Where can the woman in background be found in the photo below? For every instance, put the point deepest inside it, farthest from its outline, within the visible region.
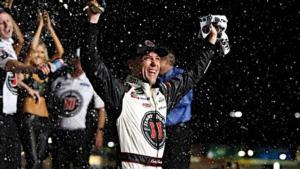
(35, 125)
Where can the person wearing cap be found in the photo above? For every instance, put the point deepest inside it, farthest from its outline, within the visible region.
(10, 149)
(142, 101)
(178, 143)
(72, 93)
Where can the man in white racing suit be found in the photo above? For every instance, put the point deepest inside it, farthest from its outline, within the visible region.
(141, 102)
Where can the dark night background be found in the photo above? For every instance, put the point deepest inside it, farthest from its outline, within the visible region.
(259, 77)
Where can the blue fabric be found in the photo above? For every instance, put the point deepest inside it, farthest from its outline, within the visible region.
(182, 110)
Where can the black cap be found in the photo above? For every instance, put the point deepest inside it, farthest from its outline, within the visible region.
(145, 47)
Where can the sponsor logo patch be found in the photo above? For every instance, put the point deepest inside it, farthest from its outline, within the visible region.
(163, 107)
(11, 83)
(72, 103)
(161, 99)
(134, 95)
(147, 105)
(84, 84)
(153, 129)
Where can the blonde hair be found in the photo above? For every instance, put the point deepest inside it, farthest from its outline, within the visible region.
(41, 43)
(29, 57)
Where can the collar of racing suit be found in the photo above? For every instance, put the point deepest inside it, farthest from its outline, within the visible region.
(138, 83)
(141, 83)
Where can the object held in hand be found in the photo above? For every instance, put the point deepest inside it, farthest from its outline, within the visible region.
(56, 64)
(224, 42)
(53, 66)
(96, 8)
(220, 23)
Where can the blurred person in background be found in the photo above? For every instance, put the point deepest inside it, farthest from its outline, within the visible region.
(10, 149)
(178, 143)
(72, 93)
(35, 125)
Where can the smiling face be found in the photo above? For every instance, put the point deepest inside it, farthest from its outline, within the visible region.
(6, 26)
(39, 55)
(147, 67)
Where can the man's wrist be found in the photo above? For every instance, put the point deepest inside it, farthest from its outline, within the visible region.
(100, 129)
(94, 19)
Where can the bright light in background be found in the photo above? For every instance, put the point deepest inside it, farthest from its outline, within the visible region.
(236, 114)
(95, 160)
(297, 115)
(241, 153)
(111, 144)
(250, 153)
(66, 6)
(50, 140)
(210, 154)
(276, 165)
(282, 156)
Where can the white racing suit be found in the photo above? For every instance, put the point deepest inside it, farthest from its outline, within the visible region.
(141, 109)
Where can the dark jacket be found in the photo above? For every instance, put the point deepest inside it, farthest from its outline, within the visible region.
(140, 109)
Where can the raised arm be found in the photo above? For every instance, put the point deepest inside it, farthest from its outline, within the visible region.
(202, 53)
(37, 36)
(58, 46)
(18, 46)
(105, 84)
(100, 128)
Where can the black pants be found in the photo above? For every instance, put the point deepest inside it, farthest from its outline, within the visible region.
(70, 148)
(177, 152)
(10, 147)
(34, 136)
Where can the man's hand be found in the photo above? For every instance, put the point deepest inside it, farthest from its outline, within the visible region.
(43, 71)
(93, 16)
(212, 37)
(45, 68)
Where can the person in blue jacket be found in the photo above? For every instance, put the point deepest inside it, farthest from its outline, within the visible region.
(178, 144)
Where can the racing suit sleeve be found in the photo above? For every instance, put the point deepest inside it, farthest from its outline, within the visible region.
(110, 89)
(177, 87)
